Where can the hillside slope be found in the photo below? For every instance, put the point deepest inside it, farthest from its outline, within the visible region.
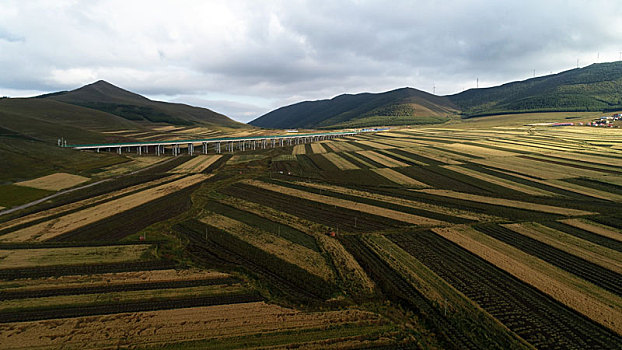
(397, 107)
(592, 88)
(106, 97)
(47, 120)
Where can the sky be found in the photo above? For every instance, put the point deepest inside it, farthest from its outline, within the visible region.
(246, 58)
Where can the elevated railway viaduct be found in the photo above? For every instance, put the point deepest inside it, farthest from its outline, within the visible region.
(217, 145)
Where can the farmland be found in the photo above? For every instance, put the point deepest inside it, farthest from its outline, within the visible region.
(465, 236)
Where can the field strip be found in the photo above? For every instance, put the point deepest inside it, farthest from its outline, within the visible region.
(159, 327)
(403, 157)
(576, 293)
(331, 145)
(299, 149)
(374, 144)
(54, 182)
(109, 279)
(317, 148)
(135, 164)
(126, 296)
(362, 207)
(598, 229)
(567, 186)
(18, 258)
(506, 202)
(586, 158)
(533, 168)
(340, 162)
(537, 147)
(358, 158)
(291, 252)
(586, 191)
(603, 256)
(610, 179)
(398, 177)
(196, 165)
(428, 283)
(438, 155)
(346, 266)
(382, 159)
(432, 286)
(395, 143)
(585, 164)
(343, 146)
(82, 203)
(478, 151)
(52, 228)
(405, 202)
(78, 300)
(118, 131)
(500, 181)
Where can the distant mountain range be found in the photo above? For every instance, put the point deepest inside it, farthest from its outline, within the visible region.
(597, 87)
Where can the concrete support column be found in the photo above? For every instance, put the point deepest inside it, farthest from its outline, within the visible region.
(139, 150)
(204, 147)
(191, 149)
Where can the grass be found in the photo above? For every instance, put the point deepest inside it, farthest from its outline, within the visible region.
(12, 195)
(21, 258)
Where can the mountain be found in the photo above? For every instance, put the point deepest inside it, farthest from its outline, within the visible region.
(397, 107)
(108, 98)
(592, 88)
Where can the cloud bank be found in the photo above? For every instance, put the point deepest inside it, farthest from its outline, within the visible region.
(244, 58)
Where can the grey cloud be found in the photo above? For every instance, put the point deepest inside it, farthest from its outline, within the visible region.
(286, 51)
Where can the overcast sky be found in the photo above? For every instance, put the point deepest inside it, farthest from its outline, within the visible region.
(245, 58)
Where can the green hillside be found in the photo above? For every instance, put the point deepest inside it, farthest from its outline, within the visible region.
(108, 98)
(397, 107)
(593, 88)
(47, 120)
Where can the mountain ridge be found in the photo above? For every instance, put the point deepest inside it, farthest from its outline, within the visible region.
(597, 87)
(106, 97)
(399, 106)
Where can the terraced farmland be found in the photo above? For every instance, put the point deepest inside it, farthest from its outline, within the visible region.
(462, 237)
